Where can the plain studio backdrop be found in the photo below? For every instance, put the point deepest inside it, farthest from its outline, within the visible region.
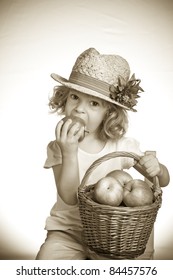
(38, 37)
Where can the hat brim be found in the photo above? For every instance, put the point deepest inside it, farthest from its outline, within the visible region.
(85, 90)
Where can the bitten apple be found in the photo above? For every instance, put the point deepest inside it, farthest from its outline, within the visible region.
(120, 175)
(108, 191)
(74, 121)
(137, 193)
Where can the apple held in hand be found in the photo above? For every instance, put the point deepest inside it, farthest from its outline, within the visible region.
(74, 121)
(108, 191)
(120, 175)
(137, 193)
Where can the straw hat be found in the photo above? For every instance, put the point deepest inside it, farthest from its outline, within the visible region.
(103, 76)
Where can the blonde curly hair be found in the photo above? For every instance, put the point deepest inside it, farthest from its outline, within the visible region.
(115, 124)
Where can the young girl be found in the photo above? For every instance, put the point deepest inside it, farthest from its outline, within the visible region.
(99, 91)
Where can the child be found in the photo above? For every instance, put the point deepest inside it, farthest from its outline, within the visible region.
(99, 91)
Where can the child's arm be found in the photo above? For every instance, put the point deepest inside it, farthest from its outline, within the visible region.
(67, 179)
(67, 174)
(154, 168)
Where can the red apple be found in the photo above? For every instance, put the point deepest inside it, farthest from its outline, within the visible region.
(120, 175)
(74, 121)
(108, 191)
(137, 193)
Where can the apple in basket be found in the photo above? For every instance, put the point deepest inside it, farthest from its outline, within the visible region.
(108, 191)
(137, 193)
(120, 175)
(74, 121)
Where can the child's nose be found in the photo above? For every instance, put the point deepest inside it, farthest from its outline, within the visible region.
(80, 108)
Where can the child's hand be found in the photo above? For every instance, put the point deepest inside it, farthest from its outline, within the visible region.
(151, 165)
(67, 137)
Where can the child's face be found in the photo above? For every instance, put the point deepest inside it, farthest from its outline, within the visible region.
(89, 108)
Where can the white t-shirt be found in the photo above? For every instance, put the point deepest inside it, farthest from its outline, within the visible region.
(63, 216)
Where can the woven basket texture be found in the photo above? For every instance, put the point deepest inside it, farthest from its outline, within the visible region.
(116, 232)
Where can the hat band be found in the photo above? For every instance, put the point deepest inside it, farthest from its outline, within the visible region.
(90, 83)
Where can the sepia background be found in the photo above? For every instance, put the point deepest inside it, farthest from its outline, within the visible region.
(38, 37)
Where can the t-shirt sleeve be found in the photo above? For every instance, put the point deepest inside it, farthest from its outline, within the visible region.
(54, 156)
(129, 145)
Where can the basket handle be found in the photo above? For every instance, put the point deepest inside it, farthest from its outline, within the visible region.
(137, 166)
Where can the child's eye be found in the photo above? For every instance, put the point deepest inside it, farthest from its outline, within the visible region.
(94, 103)
(74, 96)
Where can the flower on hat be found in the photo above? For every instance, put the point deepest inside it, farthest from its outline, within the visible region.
(125, 92)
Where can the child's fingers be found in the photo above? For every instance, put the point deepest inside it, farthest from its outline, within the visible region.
(65, 129)
(80, 133)
(151, 165)
(148, 161)
(61, 129)
(74, 130)
(58, 130)
(145, 159)
(152, 172)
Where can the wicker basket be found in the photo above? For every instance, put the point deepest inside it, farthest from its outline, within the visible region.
(116, 232)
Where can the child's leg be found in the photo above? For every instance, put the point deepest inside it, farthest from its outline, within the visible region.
(60, 245)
